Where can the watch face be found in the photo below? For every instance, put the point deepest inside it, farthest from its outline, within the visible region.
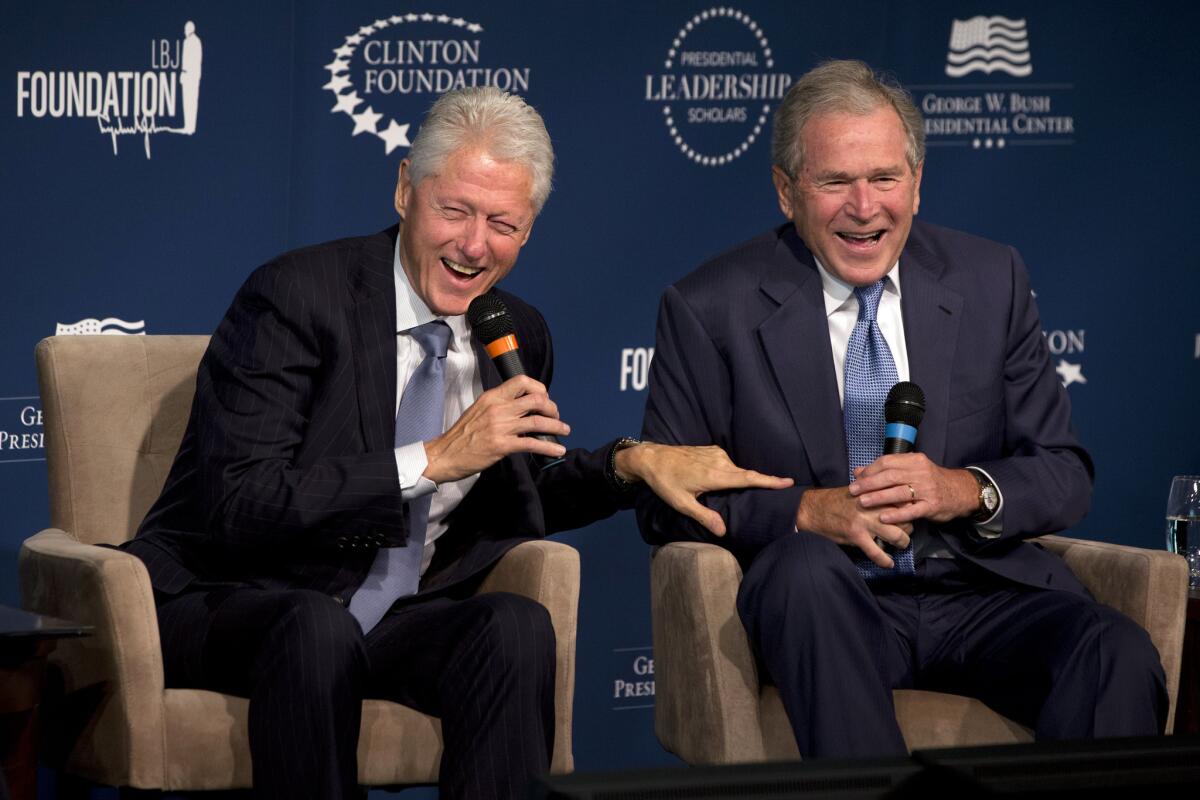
(990, 498)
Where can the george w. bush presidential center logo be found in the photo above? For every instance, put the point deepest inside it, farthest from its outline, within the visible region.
(389, 71)
(995, 98)
(123, 101)
(717, 86)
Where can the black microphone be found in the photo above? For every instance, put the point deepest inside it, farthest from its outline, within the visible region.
(902, 411)
(493, 326)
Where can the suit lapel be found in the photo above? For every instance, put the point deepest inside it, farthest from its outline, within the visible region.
(373, 327)
(795, 339)
(931, 320)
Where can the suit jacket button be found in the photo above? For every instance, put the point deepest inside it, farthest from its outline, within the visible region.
(338, 599)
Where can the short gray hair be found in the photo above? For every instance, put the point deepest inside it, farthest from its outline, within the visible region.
(845, 86)
(507, 127)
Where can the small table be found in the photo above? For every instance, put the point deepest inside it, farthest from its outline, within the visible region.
(25, 641)
(1187, 711)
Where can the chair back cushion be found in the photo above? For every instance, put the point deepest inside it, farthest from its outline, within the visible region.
(114, 410)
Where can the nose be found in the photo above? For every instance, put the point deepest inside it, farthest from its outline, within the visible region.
(474, 240)
(860, 202)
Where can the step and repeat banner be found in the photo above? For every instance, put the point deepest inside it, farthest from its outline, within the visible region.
(156, 152)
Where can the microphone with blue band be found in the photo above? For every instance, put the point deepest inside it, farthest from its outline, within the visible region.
(902, 411)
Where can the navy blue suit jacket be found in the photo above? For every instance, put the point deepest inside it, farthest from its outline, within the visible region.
(286, 476)
(743, 360)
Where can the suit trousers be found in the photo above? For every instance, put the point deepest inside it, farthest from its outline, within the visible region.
(1058, 662)
(484, 664)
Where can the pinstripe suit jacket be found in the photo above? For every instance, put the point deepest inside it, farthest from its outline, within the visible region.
(286, 476)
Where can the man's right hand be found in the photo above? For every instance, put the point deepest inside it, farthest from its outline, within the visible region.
(834, 514)
(496, 426)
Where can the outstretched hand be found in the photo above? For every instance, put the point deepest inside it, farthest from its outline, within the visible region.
(679, 474)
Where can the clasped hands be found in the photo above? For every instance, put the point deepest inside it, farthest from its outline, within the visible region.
(884, 500)
(506, 420)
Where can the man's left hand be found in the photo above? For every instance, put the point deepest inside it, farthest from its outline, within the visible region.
(681, 473)
(917, 487)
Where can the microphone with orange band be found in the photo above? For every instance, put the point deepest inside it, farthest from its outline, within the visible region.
(493, 326)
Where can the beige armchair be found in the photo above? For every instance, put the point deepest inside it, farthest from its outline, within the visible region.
(710, 707)
(115, 408)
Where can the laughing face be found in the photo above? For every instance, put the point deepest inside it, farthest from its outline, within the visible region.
(463, 227)
(855, 197)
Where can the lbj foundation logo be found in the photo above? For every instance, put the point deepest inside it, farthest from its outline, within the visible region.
(1067, 344)
(162, 99)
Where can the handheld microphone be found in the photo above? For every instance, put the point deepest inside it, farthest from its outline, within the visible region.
(493, 326)
(902, 411)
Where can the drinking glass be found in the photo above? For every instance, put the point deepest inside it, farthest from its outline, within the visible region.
(1183, 523)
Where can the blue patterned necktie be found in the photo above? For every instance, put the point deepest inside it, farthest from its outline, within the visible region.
(870, 375)
(396, 571)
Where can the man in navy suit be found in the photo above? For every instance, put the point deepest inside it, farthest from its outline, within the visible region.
(279, 548)
(897, 571)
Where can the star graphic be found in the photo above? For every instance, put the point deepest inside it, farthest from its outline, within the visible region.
(411, 17)
(396, 20)
(355, 39)
(474, 27)
(458, 22)
(367, 121)
(427, 17)
(366, 30)
(337, 83)
(395, 136)
(1070, 373)
(346, 102)
(443, 18)
(381, 23)
(345, 51)
(337, 65)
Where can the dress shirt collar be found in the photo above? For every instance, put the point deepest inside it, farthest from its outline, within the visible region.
(411, 310)
(838, 293)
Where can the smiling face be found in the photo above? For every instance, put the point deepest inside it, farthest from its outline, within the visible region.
(855, 196)
(463, 227)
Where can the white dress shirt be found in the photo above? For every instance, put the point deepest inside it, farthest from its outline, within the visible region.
(463, 387)
(841, 311)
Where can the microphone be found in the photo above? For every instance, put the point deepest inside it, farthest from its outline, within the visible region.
(493, 326)
(902, 411)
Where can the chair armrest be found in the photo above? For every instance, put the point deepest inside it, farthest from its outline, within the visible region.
(1148, 586)
(112, 680)
(548, 572)
(707, 693)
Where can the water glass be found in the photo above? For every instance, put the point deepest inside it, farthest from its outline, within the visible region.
(1183, 523)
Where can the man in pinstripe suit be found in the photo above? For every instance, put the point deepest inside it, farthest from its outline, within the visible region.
(288, 484)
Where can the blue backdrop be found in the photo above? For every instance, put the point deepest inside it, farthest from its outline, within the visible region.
(137, 199)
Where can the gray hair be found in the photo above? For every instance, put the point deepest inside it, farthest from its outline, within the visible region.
(507, 127)
(845, 86)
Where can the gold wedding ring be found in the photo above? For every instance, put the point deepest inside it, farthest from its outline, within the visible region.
(912, 494)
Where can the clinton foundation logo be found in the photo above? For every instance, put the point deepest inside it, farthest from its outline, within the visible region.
(388, 72)
(717, 86)
(163, 98)
(21, 436)
(992, 104)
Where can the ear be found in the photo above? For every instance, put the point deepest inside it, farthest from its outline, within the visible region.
(404, 188)
(528, 230)
(917, 187)
(783, 190)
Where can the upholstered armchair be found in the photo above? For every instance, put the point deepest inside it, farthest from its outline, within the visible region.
(115, 408)
(712, 708)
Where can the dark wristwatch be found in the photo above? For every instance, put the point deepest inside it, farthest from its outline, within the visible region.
(989, 497)
(615, 481)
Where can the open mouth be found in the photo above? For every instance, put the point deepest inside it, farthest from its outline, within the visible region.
(461, 271)
(861, 239)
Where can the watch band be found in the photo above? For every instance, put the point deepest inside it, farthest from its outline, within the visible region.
(615, 481)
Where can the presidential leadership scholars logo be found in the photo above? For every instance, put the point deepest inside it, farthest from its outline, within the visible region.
(392, 69)
(162, 99)
(997, 112)
(717, 86)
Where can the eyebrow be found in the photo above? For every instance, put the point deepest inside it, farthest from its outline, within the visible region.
(886, 172)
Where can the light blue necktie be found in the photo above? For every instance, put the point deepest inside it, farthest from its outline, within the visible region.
(870, 375)
(396, 571)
